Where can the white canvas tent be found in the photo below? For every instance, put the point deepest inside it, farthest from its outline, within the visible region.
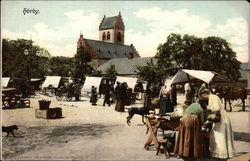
(51, 80)
(184, 75)
(5, 81)
(131, 82)
(91, 81)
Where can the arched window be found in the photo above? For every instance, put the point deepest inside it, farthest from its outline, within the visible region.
(104, 36)
(108, 36)
(119, 37)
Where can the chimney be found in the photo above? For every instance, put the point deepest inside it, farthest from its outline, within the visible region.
(130, 55)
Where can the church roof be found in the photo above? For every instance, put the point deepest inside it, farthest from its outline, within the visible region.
(108, 23)
(125, 66)
(107, 50)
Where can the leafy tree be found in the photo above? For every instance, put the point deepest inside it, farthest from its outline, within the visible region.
(96, 73)
(111, 72)
(16, 64)
(81, 66)
(61, 66)
(151, 72)
(218, 56)
(191, 52)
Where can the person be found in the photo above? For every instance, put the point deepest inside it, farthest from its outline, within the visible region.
(147, 100)
(165, 104)
(112, 94)
(93, 98)
(221, 136)
(187, 88)
(203, 86)
(106, 94)
(77, 91)
(121, 97)
(189, 94)
(173, 96)
(188, 144)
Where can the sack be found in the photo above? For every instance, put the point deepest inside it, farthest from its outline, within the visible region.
(155, 101)
(214, 116)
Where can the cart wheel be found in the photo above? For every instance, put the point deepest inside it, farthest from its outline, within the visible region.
(59, 97)
(6, 104)
(69, 98)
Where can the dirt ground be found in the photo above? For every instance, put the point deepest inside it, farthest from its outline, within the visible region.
(90, 133)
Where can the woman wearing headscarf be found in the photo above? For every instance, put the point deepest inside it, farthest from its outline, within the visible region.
(188, 144)
(165, 103)
(221, 135)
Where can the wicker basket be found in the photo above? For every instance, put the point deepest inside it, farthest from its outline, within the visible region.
(44, 104)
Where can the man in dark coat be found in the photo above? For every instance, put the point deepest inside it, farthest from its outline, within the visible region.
(173, 96)
(121, 93)
(93, 98)
(106, 94)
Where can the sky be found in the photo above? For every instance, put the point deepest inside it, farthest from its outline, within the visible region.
(58, 24)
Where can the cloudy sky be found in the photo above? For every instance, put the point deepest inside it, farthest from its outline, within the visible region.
(58, 24)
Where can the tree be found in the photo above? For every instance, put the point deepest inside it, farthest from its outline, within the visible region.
(81, 66)
(151, 73)
(96, 73)
(191, 52)
(61, 66)
(111, 72)
(16, 64)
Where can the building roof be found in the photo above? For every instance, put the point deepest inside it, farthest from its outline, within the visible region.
(108, 23)
(107, 50)
(243, 71)
(125, 66)
(248, 66)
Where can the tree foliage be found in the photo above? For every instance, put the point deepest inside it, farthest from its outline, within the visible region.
(190, 52)
(61, 66)
(81, 64)
(151, 73)
(16, 64)
(111, 72)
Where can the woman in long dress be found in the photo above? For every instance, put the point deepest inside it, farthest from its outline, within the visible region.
(165, 103)
(188, 144)
(221, 135)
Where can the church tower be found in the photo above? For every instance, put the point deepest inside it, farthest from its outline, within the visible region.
(111, 29)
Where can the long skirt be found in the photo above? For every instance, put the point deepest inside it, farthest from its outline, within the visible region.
(165, 106)
(189, 139)
(120, 105)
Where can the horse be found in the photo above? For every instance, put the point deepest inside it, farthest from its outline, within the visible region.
(229, 94)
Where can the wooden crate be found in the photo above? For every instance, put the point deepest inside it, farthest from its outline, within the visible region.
(41, 113)
(51, 113)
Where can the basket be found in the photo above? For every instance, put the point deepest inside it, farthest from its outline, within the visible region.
(44, 104)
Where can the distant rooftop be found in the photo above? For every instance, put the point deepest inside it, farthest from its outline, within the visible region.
(108, 23)
(125, 66)
(107, 50)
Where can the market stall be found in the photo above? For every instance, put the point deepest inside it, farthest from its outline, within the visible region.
(51, 81)
(5, 81)
(131, 82)
(186, 75)
(91, 81)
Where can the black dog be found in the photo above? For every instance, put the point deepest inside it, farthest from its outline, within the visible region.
(139, 111)
(9, 129)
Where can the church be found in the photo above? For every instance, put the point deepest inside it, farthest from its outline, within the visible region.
(110, 44)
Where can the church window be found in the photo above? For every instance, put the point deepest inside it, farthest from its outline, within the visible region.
(104, 36)
(108, 36)
(119, 37)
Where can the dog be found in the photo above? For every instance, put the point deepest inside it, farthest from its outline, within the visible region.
(139, 111)
(9, 129)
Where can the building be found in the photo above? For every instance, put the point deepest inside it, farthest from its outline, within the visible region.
(110, 44)
(126, 66)
(111, 29)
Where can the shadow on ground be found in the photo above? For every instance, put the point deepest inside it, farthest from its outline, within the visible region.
(30, 138)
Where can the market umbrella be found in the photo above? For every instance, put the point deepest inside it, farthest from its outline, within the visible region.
(186, 75)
